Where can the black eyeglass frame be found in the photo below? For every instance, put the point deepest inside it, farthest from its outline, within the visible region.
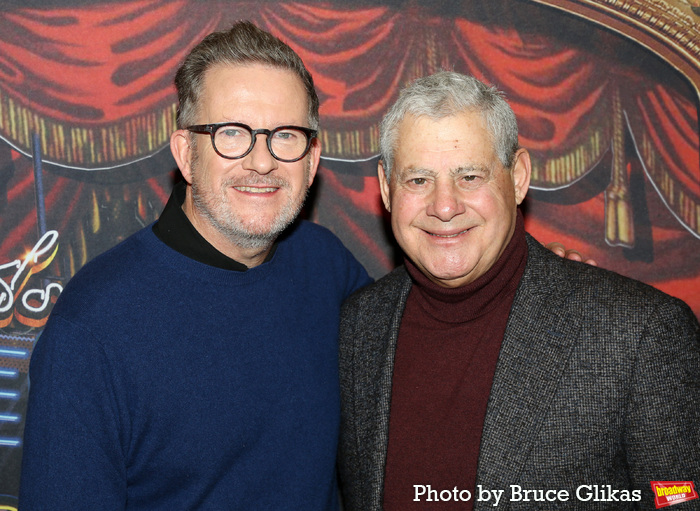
(211, 129)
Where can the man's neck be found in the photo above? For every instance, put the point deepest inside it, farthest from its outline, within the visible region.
(250, 257)
(175, 230)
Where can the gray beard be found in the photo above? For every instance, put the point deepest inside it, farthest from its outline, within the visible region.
(218, 212)
(237, 233)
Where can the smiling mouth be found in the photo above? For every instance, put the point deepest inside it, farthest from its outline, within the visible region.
(448, 235)
(255, 189)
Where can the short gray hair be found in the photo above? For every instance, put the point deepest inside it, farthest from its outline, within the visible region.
(444, 94)
(242, 44)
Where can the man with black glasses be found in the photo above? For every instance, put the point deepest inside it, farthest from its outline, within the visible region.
(194, 366)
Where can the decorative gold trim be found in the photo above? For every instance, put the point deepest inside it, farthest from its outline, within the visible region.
(686, 208)
(80, 146)
(350, 143)
(567, 168)
(669, 28)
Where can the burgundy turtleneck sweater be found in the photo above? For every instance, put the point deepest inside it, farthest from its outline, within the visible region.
(446, 354)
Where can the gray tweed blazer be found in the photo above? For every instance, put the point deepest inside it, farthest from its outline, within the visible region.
(597, 383)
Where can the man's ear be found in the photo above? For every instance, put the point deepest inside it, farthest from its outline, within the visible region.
(384, 186)
(314, 159)
(182, 152)
(522, 168)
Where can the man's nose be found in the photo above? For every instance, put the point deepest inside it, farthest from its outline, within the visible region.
(445, 202)
(260, 159)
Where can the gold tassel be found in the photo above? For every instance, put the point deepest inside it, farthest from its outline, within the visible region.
(619, 225)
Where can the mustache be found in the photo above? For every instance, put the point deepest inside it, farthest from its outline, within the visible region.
(264, 181)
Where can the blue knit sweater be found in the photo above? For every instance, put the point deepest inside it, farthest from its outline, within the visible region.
(160, 383)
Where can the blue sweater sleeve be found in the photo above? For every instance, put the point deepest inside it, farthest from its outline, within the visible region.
(357, 275)
(72, 441)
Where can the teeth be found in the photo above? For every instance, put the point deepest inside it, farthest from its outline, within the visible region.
(449, 235)
(255, 189)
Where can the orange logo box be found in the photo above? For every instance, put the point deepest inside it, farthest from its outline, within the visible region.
(668, 493)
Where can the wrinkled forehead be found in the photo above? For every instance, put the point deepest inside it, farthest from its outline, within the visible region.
(241, 91)
(450, 143)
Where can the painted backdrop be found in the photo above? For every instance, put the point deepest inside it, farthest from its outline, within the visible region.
(606, 93)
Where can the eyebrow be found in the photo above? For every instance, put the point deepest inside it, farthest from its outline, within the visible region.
(467, 169)
(416, 171)
(458, 171)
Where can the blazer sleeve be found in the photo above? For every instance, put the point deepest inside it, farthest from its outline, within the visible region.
(662, 435)
(368, 329)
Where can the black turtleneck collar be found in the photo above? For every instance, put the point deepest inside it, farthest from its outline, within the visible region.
(175, 230)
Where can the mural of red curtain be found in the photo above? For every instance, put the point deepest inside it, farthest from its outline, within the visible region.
(87, 106)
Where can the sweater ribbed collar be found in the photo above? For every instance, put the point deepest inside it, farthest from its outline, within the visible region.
(465, 303)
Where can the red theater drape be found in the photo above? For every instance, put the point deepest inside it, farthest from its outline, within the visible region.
(96, 84)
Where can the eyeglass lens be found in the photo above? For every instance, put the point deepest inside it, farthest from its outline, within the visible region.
(286, 144)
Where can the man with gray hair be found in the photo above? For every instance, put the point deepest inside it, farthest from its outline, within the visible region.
(487, 371)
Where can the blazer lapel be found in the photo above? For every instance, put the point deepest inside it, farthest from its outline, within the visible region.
(374, 425)
(537, 343)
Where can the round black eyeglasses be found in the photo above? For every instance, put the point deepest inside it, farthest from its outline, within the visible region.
(234, 140)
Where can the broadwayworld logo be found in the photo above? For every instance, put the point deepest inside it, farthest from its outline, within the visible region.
(668, 493)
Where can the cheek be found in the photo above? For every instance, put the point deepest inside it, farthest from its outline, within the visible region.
(495, 203)
(404, 210)
(297, 175)
(205, 170)
(407, 205)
